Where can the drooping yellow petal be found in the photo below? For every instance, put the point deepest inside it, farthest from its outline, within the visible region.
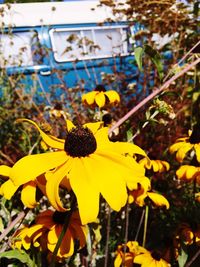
(87, 195)
(54, 179)
(173, 148)
(28, 195)
(113, 96)
(5, 170)
(8, 189)
(118, 261)
(181, 153)
(100, 99)
(31, 166)
(50, 140)
(89, 98)
(158, 199)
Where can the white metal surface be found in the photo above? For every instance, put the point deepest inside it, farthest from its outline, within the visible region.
(52, 13)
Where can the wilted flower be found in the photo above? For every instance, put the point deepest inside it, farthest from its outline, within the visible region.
(90, 162)
(100, 97)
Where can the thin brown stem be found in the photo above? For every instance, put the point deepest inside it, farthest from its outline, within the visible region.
(153, 94)
(107, 238)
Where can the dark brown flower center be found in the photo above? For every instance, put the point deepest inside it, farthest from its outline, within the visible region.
(156, 255)
(80, 142)
(195, 136)
(100, 88)
(59, 217)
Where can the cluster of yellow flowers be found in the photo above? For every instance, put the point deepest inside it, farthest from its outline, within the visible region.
(85, 164)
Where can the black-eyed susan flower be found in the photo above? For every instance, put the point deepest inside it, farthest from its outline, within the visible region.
(100, 97)
(91, 163)
(142, 192)
(125, 253)
(150, 259)
(155, 165)
(45, 232)
(28, 191)
(183, 145)
(188, 173)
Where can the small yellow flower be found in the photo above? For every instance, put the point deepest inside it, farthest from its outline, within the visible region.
(143, 191)
(183, 145)
(155, 165)
(188, 173)
(188, 234)
(89, 162)
(126, 253)
(150, 259)
(46, 231)
(100, 97)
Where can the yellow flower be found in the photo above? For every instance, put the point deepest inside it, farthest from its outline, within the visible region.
(148, 259)
(183, 145)
(142, 192)
(91, 163)
(188, 173)
(126, 253)
(100, 97)
(155, 165)
(28, 192)
(46, 231)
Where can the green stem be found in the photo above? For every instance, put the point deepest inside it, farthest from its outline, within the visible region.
(145, 225)
(64, 229)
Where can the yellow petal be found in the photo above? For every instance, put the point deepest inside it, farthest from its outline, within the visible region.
(181, 153)
(5, 170)
(8, 189)
(197, 150)
(69, 125)
(109, 179)
(89, 98)
(173, 148)
(158, 199)
(31, 166)
(100, 99)
(48, 139)
(118, 261)
(93, 126)
(54, 179)
(28, 195)
(113, 96)
(87, 195)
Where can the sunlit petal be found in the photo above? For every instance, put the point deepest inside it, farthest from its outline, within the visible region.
(8, 189)
(50, 140)
(87, 195)
(28, 195)
(113, 96)
(5, 170)
(31, 166)
(100, 99)
(158, 199)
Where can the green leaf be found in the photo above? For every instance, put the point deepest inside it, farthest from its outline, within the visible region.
(156, 59)
(182, 258)
(138, 52)
(22, 256)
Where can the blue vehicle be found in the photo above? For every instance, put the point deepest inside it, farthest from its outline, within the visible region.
(61, 46)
